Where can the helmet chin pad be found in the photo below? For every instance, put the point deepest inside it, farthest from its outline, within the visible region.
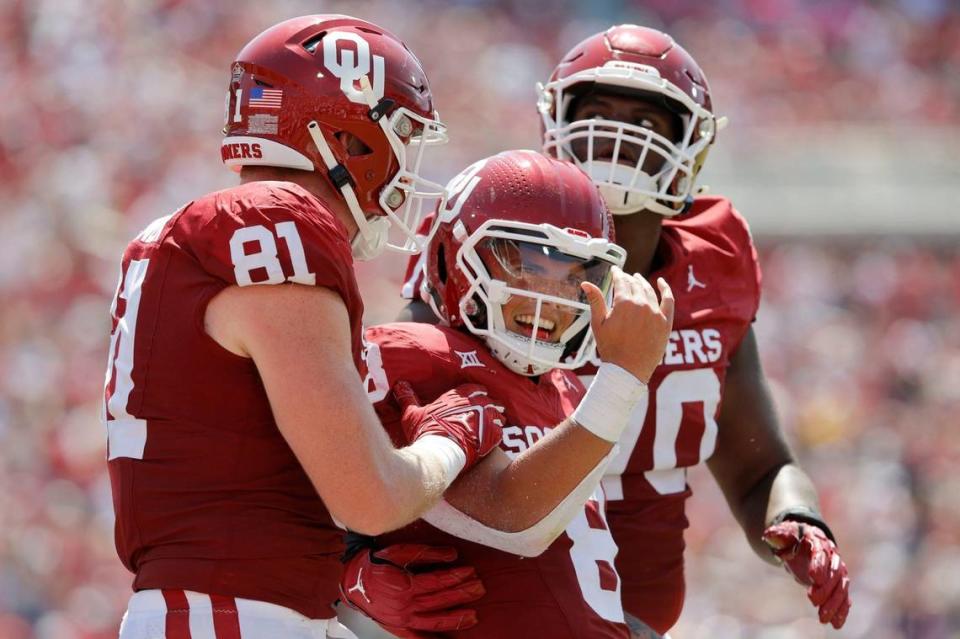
(511, 348)
(624, 189)
(371, 238)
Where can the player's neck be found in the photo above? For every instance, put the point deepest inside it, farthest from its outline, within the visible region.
(639, 234)
(310, 181)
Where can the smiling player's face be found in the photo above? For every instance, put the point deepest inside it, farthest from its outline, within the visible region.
(538, 269)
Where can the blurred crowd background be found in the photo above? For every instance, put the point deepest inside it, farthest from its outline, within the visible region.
(843, 152)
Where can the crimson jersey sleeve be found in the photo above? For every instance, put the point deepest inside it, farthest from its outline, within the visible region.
(271, 233)
(718, 222)
(430, 358)
(434, 359)
(752, 272)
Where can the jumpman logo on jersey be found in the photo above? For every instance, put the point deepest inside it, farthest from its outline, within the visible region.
(692, 281)
(359, 586)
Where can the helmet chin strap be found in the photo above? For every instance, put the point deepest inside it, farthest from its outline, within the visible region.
(371, 237)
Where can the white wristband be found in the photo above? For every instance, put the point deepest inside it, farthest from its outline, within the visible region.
(445, 452)
(611, 398)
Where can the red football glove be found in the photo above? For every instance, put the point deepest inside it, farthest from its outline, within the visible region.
(813, 560)
(465, 414)
(393, 587)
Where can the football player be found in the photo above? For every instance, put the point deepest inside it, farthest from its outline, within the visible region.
(633, 109)
(238, 426)
(522, 256)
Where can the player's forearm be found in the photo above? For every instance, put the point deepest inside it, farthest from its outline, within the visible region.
(784, 487)
(429, 466)
(408, 482)
(537, 480)
(513, 495)
(521, 506)
(543, 476)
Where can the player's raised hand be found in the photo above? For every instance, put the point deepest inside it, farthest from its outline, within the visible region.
(814, 561)
(465, 414)
(410, 590)
(633, 332)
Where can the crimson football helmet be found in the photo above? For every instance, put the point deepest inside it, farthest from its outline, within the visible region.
(344, 97)
(522, 231)
(645, 63)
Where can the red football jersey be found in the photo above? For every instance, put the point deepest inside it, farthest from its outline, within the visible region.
(208, 496)
(572, 589)
(708, 258)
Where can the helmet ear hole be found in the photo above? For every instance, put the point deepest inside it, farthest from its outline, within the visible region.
(575, 343)
(354, 146)
(479, 314)
(441, 264)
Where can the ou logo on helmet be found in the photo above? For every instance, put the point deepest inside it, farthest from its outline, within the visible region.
(459, 189)
(350, 65)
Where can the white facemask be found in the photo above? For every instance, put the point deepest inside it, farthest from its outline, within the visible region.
(518, 354)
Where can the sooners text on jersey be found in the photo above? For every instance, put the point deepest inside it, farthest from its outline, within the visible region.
(208, 495)
(570, 591)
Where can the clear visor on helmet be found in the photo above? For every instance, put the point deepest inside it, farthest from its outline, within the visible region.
(530, 267)
(542, 314)
(525, 297)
